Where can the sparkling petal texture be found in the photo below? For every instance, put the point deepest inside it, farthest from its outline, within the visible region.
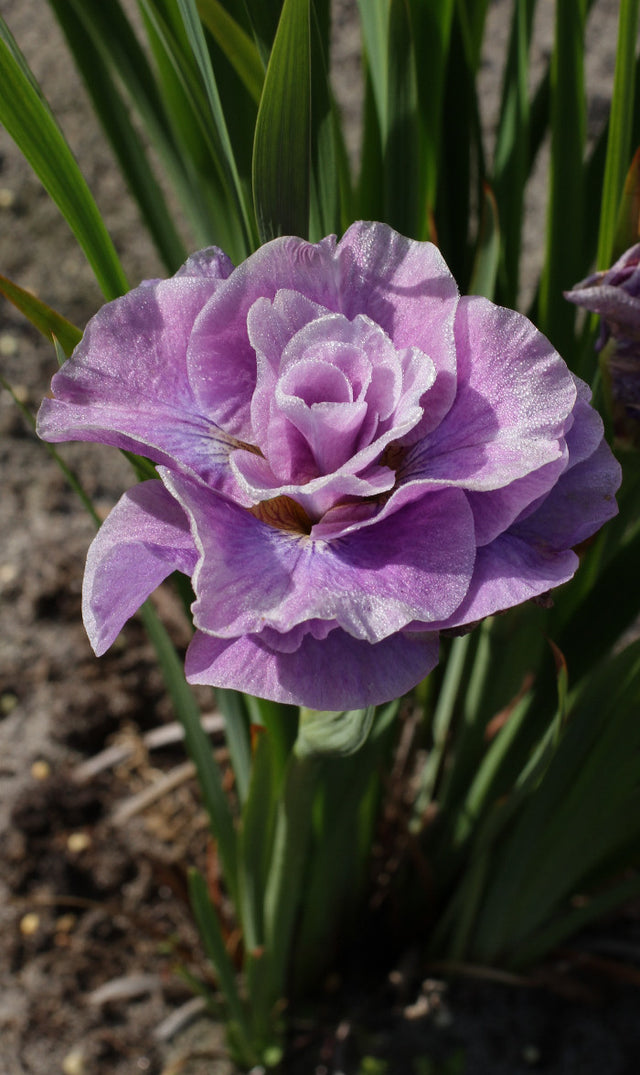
(352, 458)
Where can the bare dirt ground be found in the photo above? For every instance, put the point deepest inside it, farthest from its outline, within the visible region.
(93, 911)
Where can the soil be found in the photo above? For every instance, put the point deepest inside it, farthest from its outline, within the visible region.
(93, 905)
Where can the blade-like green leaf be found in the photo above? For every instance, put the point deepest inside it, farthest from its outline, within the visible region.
(510, 167)
(369, 198)
(199, 747)
(565, 224)
(628, 223)
(281, 151)
(236, 722)
(404, 163)
(472, 15)
(581, 811)
(329, 177)
(187, 107)
(485, 266)
(431, 24)
(461, 166)
(255, 841)
(213, 940)
(236, 45)
(286, 874)
(47, 321)
(197, 41)
(263, 17)
(165, 121)
(32, 126)
(374, 17)
(114, 116)
(620, 125)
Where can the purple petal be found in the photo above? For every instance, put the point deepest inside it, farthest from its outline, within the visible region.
(256, 481)
(508, 572)
(222, 361)
(144, 538)
(514, 397)
(270, 326)
(578, 505)
(402, 285)
(126, 383)
(496, 509)
(415, 565)
(407, 289)
(339, 672)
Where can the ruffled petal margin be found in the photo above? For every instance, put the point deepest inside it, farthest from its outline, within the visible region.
(338, 672)
(141, 542)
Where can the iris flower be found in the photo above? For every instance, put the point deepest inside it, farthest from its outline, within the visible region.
(351, 459)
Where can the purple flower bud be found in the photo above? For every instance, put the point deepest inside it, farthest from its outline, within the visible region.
(615, 295)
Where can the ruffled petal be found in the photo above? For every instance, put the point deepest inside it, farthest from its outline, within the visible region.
(407, 289)
(144, 538)
(415, 565)
(126, 383)
(508, 572)
(402, 285)
(222, 361)
(335, 673)
(579, 504)
(515, 395)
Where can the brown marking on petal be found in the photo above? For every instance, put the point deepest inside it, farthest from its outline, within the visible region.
(234, 443)
(284, 513)
(393, 455)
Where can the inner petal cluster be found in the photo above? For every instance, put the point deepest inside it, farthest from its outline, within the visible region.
(331, 394)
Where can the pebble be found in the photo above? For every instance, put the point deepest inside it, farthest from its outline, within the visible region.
(78, 841)
(8, 344)
(29, 924)
(40, 770)
(73, 1063)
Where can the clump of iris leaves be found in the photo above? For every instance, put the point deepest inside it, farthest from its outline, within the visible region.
(516, 791)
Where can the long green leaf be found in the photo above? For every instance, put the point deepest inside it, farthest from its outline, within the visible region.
(199, 747)
(431, 25)
(30, 122)
(236, 720)
(580, 812)
(263, 16)
(165, 123)
(236, 45)
(197, 41)
(620, 125)
(255, 841)
(286, 874)
(510, 167)
(328, 177)
(565, 224)
(472, 15)
(211, 933)
(485, 266)
(405, 178)
(51, 324)
(186, 105)
(281, 152)
(112, 111)
(374, 17)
